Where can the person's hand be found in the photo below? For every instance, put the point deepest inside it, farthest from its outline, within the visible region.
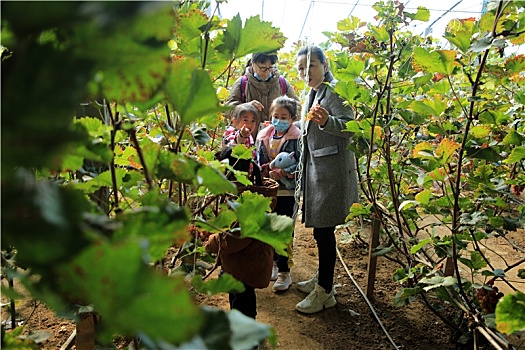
(265, 170)
(277, 174)
(318, 115)
(258, 105)
(244, 132)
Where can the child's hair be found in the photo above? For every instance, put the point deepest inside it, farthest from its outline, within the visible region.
(241, 109)
(293, 106)
(314, 50)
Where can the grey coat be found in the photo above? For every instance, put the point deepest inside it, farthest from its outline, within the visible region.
(329, 176)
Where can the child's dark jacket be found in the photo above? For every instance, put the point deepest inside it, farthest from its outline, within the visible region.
(248, 260)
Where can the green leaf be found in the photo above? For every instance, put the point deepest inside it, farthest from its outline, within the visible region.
(45, 222)
(423, 197)
(191, 91)
(159, 226)
(189, 24)
(353, 126)
(242, 152)
(259, 36)
(439, 61)
(400, 275)
(405, 296)
(349, 24)
(381, 251)
(495, 273)
(380, 33)
(407, 204)
(275, 230)
(104, 180)
(438, 281)
(434, 106)
(415, 248)
(184, 168)
(200, 135)
(482, 44)
(357, 209)
(224, 284)
(459, 33)
(229, 331)
(513, 138)
(129, 295)
(214, 180)
(510, 313)
(480, 131)
(421, 78)
(517, 154)
(256, 36)
(488, 154)
(352, 92)
(133, 57)
(422, 14)
(221, 222)
(475, 262)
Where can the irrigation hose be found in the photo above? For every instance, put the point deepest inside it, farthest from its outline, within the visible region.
(367, 301)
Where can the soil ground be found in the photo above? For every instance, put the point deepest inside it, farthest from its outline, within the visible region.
(348, 325)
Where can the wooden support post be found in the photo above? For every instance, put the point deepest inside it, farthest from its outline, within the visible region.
(86, 331)
(372, 260)
(449, 267)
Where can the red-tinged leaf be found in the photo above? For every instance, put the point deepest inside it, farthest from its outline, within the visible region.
(510, 313)
(439, 61)
(423, 150)
(515, 64)
(190, 24)
(480, 131)
(446, 149)
(438, 174)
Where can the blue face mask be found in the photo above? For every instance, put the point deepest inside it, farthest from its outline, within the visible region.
(280, 125)
(259, 78)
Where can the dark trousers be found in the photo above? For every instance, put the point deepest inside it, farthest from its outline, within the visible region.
(326, 248)
(284, 206)
(244, 302)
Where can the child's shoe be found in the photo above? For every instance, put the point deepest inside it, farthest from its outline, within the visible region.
(316, 301)
(275, 271)
(283, 282)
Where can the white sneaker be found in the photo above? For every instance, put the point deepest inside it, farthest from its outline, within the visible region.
(283, 282)
(309, 285)
(275, 272)
(316, 301)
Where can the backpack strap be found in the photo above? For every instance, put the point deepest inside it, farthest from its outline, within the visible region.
(244, 81)
(284, 87)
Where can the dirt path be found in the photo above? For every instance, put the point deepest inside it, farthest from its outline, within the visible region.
(338, 328)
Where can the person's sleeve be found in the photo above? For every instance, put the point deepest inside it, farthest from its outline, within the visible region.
(230, 137)
(339, 114)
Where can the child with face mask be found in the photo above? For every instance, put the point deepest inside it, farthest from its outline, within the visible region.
(263, 85)
(280, 136)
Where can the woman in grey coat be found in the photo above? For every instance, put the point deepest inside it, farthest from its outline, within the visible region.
(329, 173)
